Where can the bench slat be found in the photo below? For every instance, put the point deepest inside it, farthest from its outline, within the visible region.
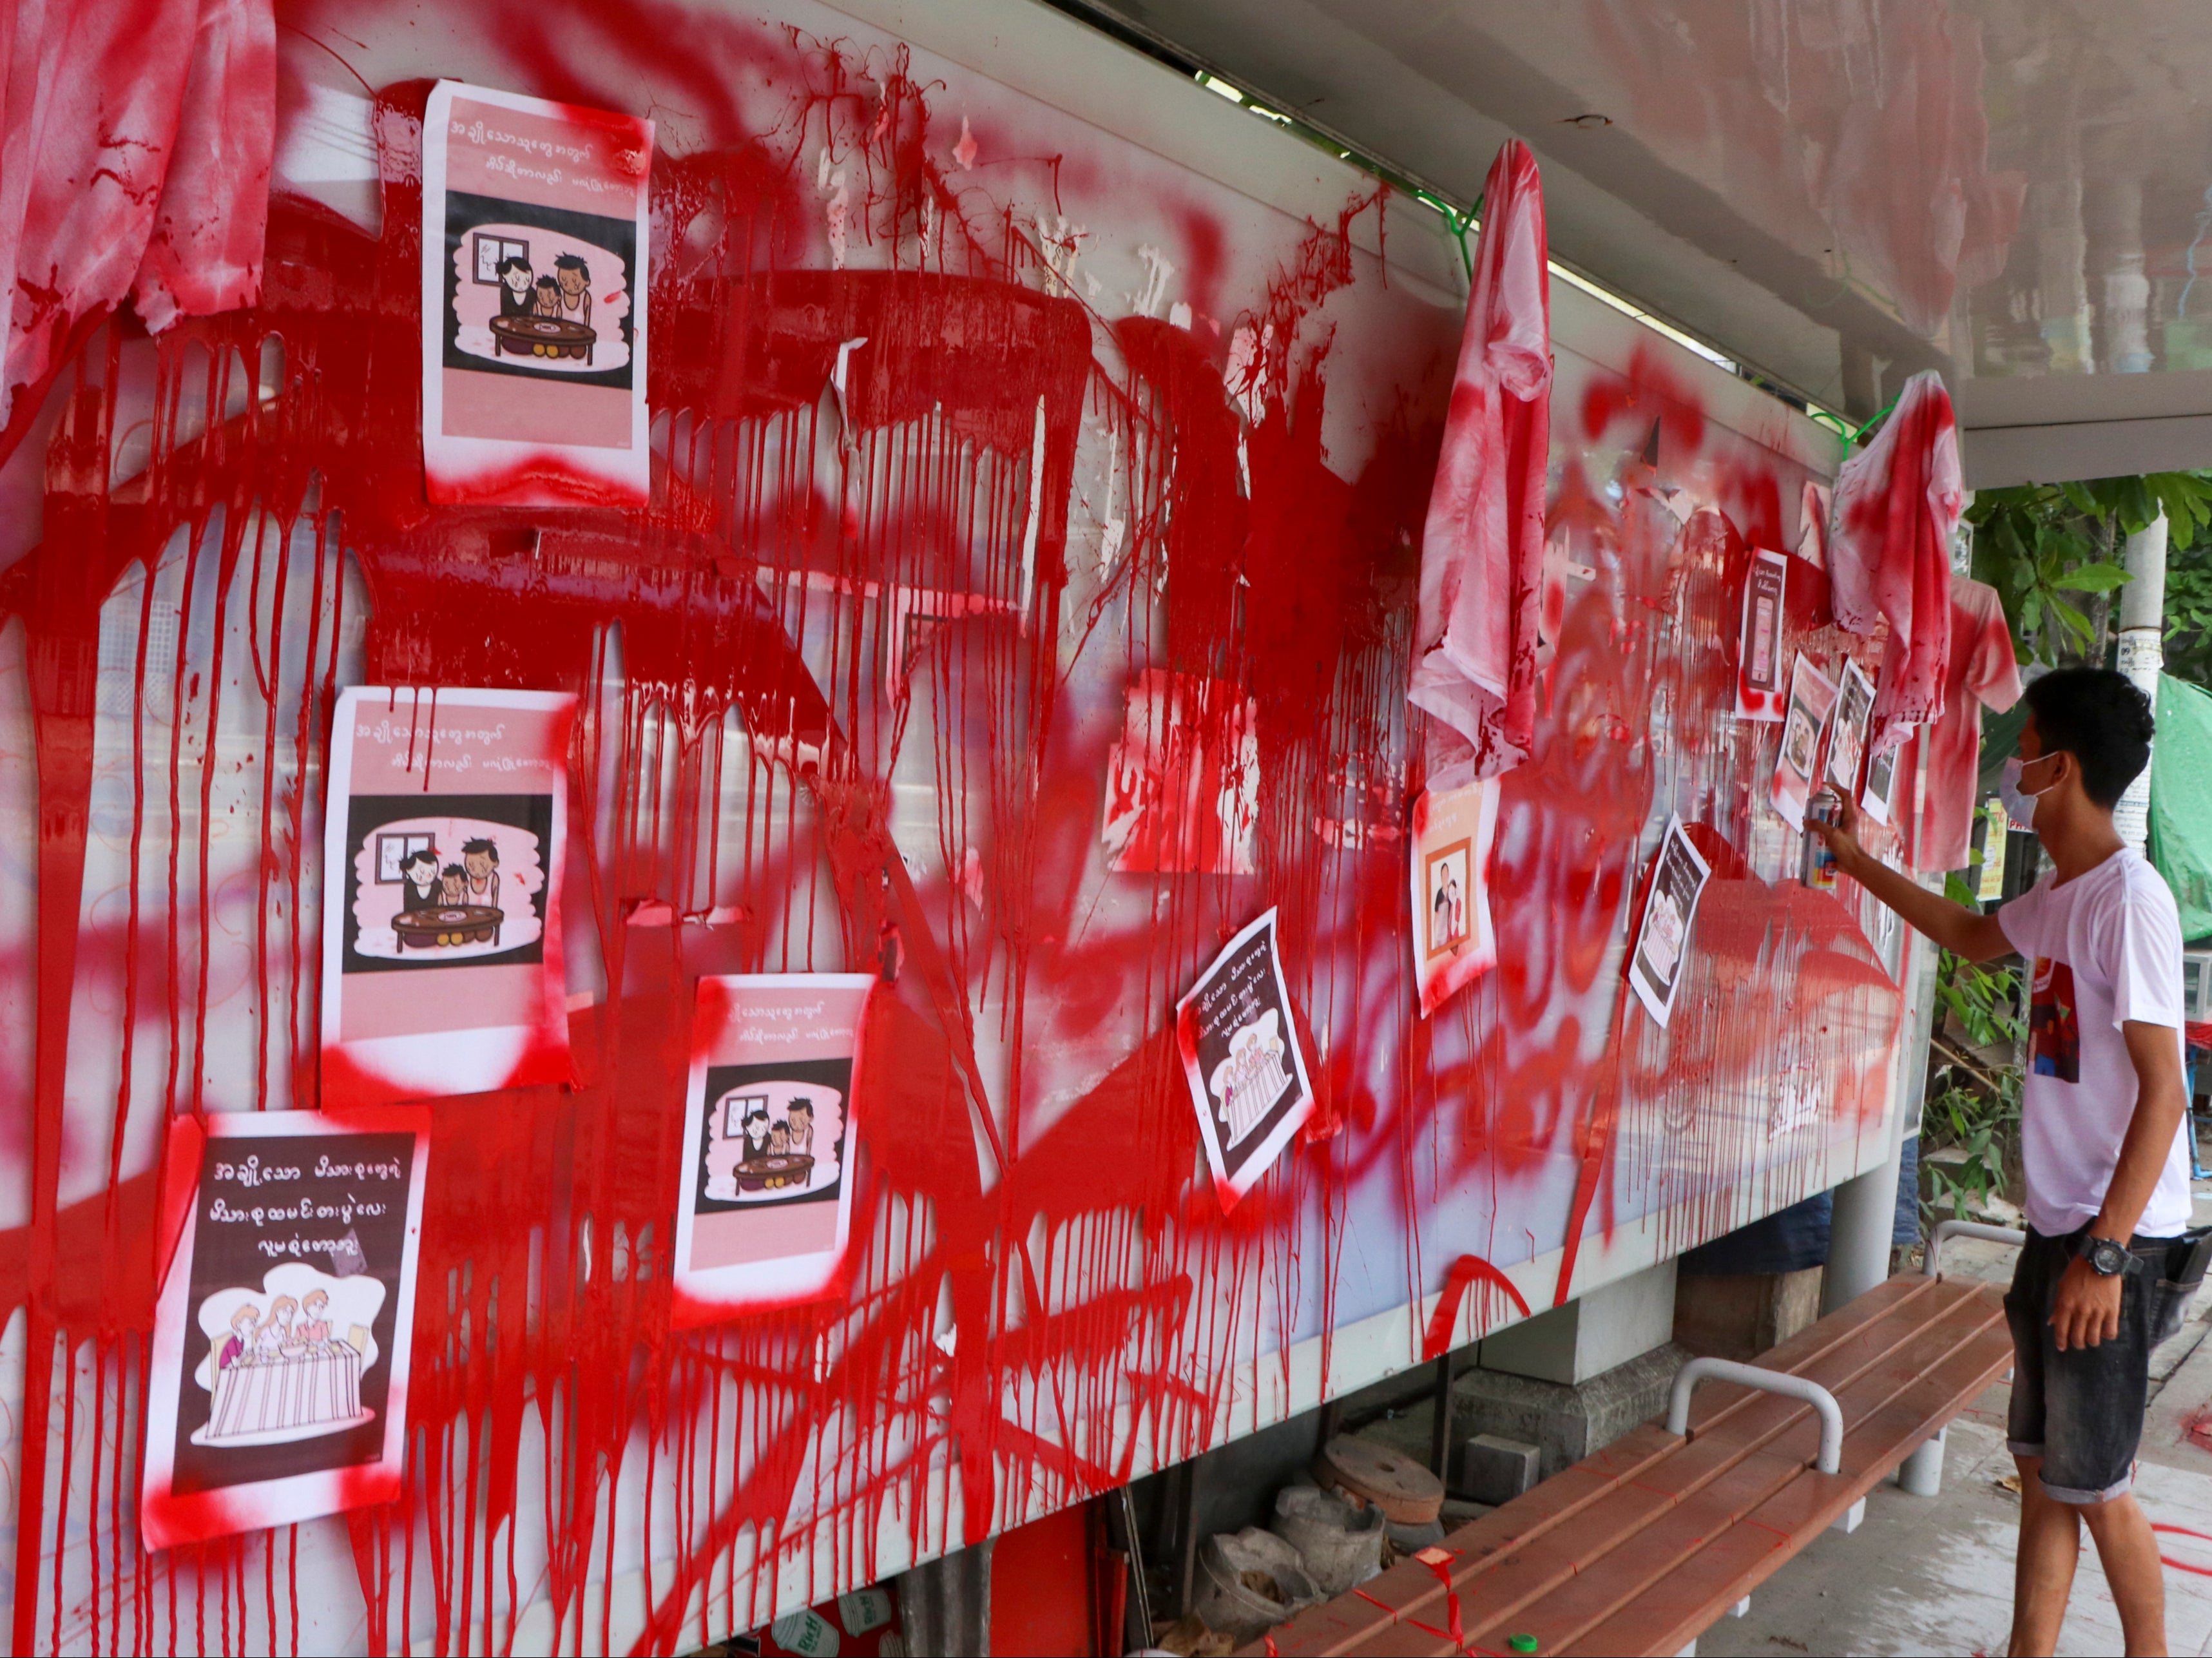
(1641, 1561)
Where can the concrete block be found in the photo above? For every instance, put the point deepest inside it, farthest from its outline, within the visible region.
(1739, 1315)
(1494, 1469)
(1848, 1519)
(1597, 1331)
(1741, 1608)
(1565, 1423)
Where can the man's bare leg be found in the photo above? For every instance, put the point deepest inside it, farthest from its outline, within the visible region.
(2042, 1570)
(2128, 1550)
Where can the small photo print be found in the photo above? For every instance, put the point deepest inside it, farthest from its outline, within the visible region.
(1847, 740)
(1449, 882)
(1881, 785)
(764, 1203)
(1759, 641)
(285, 1324)
(1662, 942)
(1242, 1061)
(1453, 943)
(1812, 695)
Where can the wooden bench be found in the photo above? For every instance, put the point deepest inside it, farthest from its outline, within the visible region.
(1640, 1548)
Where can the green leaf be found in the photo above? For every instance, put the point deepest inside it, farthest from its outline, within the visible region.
(2074, 622)
(2094, 578)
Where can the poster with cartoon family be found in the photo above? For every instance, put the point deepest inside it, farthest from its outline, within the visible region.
(285, 1319)
(765, 1193)
(534, 241)
(1243, 1061)
(441, 894)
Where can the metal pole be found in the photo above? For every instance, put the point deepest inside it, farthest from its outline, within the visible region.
(2143, 655)
(1865, 1211)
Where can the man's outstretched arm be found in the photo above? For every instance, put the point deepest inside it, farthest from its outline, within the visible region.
(1961, 931)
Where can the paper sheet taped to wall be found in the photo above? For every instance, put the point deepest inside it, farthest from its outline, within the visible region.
(286, 1319)
(1453, 942)
(442, 844)
(1242, 1058)
(1657, 965)
(765, 1198)
(535, 231)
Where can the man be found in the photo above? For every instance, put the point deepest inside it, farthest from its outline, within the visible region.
(2101, 1124)
(574, 279)
(480, 862)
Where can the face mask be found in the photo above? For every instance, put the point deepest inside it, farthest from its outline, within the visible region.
(2019, 803)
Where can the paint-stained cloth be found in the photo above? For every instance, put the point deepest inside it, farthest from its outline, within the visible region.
(1482, 549)
(1889, 552)
(136, 161)
(1983, 672)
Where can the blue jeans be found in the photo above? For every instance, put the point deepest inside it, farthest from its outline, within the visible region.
(2082, 1411)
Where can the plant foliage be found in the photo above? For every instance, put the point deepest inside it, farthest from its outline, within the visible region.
(2052, 550)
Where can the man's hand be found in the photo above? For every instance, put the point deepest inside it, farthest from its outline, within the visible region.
(1842, 836)
(1964, 931)
(2086, 1309)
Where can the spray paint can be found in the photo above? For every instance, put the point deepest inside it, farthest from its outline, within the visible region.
(1817, 865)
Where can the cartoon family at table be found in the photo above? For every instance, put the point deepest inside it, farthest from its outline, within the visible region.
(752, 1152)
(425, 883)
(565, 295)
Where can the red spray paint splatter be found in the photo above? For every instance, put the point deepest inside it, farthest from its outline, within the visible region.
(830, 601)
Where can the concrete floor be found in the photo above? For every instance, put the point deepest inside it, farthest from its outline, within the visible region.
(1934, 1574)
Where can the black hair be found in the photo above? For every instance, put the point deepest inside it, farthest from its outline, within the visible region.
(453, 869)
(760, 1111)
(490, 848)
(547, 282)
(513, 261)
(418, 855)
(570, 262)
(2101, 717)
(807, 1106)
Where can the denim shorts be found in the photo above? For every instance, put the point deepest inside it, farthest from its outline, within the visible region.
(2082, 1411)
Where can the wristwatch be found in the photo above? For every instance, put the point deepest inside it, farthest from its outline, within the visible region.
(2109, 1258)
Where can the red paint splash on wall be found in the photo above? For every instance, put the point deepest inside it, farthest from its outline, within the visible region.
(835, 606)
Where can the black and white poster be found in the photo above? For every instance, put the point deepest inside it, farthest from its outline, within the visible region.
(1241, 1056)
(1662, 942)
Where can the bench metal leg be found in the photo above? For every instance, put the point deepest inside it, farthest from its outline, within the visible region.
(1920, 1475)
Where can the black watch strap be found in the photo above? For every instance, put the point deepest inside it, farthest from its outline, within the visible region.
(2110, 1257)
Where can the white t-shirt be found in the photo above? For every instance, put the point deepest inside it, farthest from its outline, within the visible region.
(2106, 948)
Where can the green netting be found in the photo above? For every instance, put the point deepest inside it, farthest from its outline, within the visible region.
(2181, 801)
